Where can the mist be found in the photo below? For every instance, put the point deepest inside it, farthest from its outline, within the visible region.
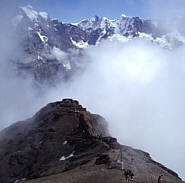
(18, 97)
(137, 86)
(165, 8)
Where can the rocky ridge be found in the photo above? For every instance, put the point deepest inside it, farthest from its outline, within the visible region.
(53, 50)
(64, 142)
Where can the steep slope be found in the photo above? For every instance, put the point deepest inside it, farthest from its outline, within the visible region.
(48, 49)
(124, 26)
(53, 50)
(159, 32)
(65, 143)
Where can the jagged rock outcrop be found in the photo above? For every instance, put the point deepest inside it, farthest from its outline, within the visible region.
(53, 50)
(64, 142)
(33, 148)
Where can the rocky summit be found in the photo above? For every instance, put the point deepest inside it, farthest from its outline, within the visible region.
(65, 143)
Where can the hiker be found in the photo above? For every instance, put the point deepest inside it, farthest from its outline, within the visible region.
(132, 176)
(129, 175)
(159, 178)
(126, 175)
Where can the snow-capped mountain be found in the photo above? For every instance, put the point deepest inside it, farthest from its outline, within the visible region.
(127, 28)
(47, 45)
(124, 26)
(52, 48)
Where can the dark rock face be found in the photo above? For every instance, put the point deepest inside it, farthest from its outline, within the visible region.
(76, 33)
(63, 138)
(47, 48)
(33, 148)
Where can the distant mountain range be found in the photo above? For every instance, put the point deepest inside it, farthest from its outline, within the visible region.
(54, 50)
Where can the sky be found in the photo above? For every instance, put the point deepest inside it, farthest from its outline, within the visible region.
(153, 101)
(76, 10)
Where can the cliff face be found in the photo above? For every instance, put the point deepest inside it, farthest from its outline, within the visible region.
(38, 146)
(65, 143)
(53, 51)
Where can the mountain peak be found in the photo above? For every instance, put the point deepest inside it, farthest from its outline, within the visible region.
(32, 14)
(123, 15)
(64, 136)
(60, 129)
(46, 39)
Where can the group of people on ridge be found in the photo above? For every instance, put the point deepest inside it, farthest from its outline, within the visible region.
(129, 175)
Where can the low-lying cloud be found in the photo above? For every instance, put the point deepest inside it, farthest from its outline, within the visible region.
(139, 88)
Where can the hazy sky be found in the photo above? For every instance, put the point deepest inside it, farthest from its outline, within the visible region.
(75, 10)
(144, 109)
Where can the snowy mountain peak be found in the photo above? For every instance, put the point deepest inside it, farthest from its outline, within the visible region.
(44, 15)
(94, 23)
(51, 46)
(28, 7)
(123, 15)
(32, 14)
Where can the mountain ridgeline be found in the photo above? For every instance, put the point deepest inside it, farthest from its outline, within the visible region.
(64, 142)
(54, 51)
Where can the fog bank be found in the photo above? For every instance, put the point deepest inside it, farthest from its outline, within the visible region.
(139, 88)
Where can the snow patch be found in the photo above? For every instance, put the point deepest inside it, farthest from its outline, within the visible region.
(30, 12)
(119, 37)
(80, 44)
(76, 24)
(61, 56)
(43, 38)
(166, 41)
(58, 54)
(67, 66)
(162, 42)
(44, 15)
(39, 57)
(123, 15)
(30, 29)
(63, 158)
(144, 35)
(20, 180)
(95, 23)
(65, 142)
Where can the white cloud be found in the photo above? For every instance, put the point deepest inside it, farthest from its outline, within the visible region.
(166, 8)
(59, 54)
(139, 88)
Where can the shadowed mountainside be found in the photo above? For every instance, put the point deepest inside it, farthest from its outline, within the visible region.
(53, 51)
(65, 143)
